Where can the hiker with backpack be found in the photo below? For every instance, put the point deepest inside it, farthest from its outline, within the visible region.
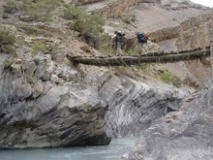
(119, 41)
(142, 39)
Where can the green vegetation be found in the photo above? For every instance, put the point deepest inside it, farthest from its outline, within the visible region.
(37, 11)
(7, 40)
(72, 12)
(128, 18)
(89, 26)
(40, 11)
(144, 66)
(106, 45)
(11, 7)
(8, 63)
(132, 52)
(169, 78)
(39, 47)
(33, 30)
(185, 2)
(5, 15)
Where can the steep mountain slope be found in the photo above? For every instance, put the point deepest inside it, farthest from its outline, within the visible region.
(165, 20)
(166, 14)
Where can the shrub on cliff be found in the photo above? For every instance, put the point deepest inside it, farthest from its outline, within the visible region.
(89, 26)
(128, 18)
(11, 7)
(91, 29)
(7, 40)
(39, 47)
(72, 12)
(169, 78)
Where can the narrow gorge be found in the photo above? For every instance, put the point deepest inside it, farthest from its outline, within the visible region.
(46, 101)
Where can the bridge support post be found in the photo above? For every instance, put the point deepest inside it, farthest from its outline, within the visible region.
(211, 51)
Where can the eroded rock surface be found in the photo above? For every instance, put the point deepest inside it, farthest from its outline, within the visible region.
(133, 105)
(42, 105)
(111, 8)
(182, 135)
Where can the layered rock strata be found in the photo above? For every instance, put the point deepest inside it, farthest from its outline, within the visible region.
(182, 135)
(132, 105)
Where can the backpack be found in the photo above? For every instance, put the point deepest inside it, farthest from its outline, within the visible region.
(120, 39)
(120, 36)
(142, 38)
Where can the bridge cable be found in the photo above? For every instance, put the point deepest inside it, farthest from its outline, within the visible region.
(151, 52)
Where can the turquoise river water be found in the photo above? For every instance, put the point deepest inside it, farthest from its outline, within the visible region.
(110, 152)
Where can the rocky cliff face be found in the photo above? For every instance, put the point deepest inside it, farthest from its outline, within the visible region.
(164, 14)
(181, 135)
(47, 104)
(111, 8)
(200, 29)
(132, 105)
(42, 105)
(191, 34)
(176, 26)
(184, 134)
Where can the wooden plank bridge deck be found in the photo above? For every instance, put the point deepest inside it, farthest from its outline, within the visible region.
(136, 60)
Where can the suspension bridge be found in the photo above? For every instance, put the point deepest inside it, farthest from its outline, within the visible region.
(155, 57)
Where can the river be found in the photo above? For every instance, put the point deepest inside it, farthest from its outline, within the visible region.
(110, 152)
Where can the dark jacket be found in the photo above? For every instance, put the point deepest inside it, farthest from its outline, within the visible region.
(142, 37)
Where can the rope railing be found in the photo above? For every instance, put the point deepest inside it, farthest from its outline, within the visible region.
(152, 57)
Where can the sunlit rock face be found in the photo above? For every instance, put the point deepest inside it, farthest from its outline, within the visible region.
(132, 105)
(192, 34)
(43, 105)
(182, 135)
(195, 32)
